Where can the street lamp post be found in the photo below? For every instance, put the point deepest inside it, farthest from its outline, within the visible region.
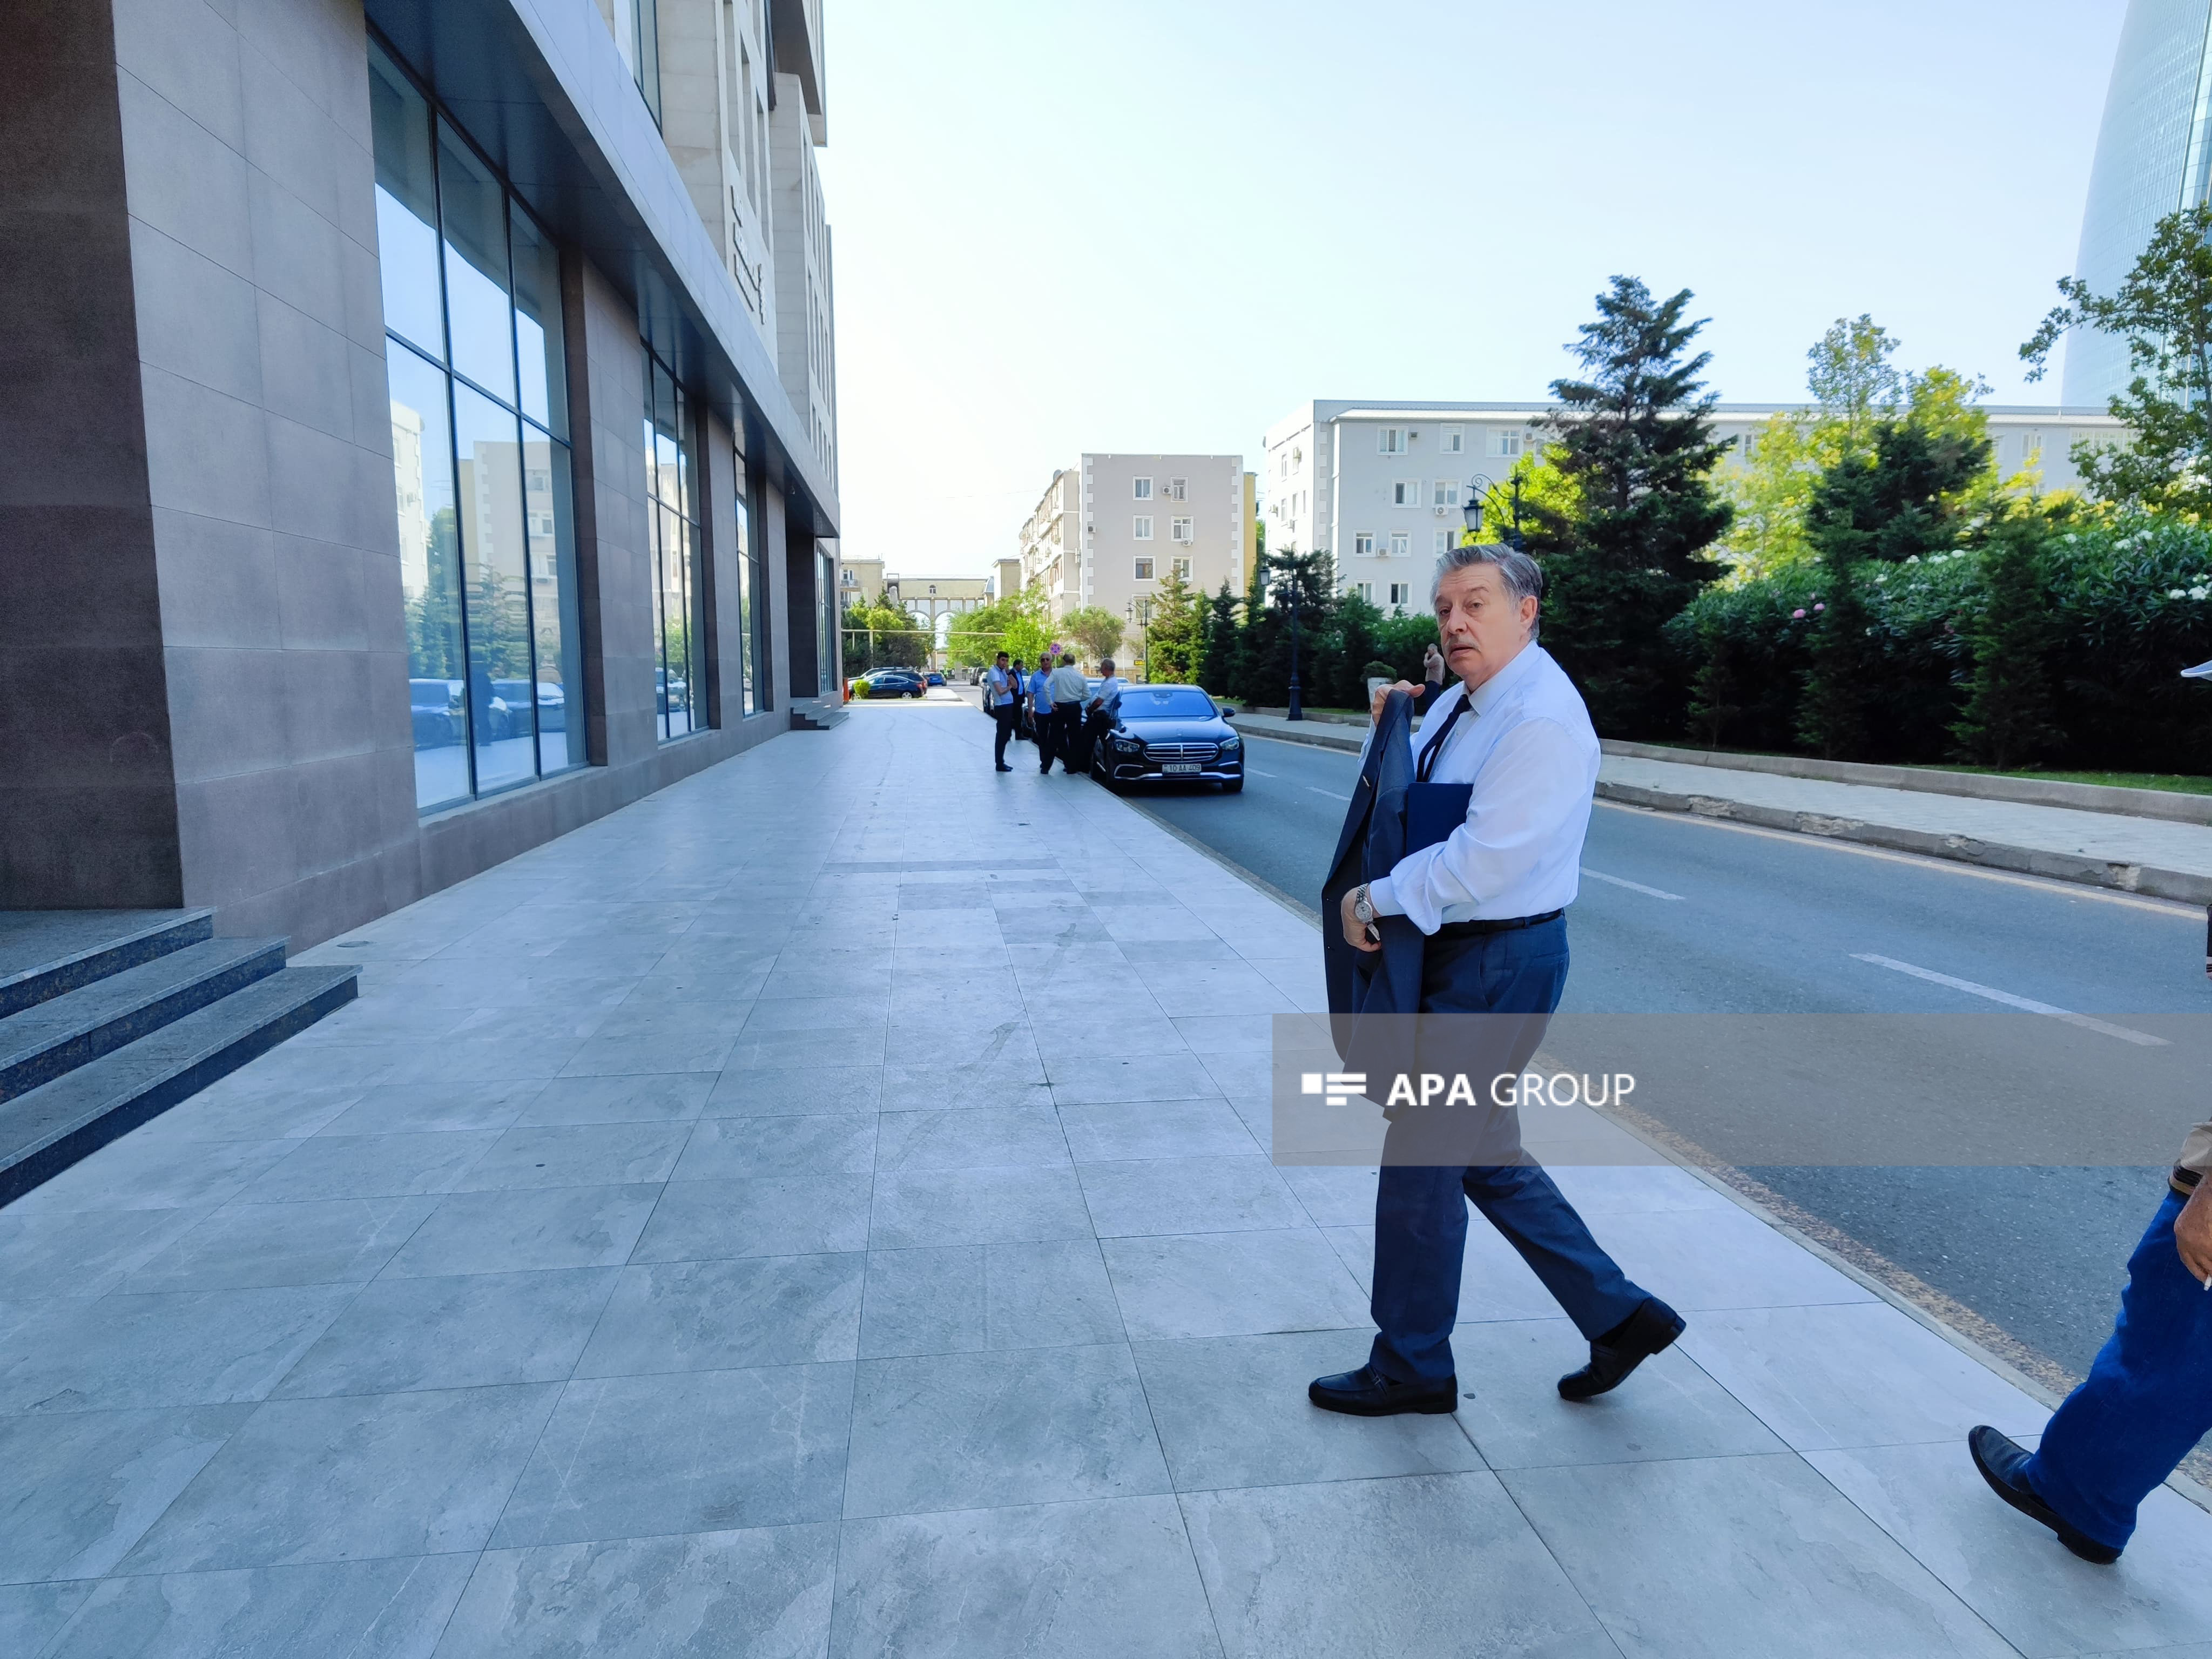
(1477, 490)
(1140, 611)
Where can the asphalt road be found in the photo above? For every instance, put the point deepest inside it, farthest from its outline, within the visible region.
(1680, 916)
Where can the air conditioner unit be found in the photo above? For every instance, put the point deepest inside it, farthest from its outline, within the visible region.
(1442, 511)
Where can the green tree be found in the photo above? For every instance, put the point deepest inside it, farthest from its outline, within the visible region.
(1831, 713)
(1900, 501)
(2008, 719)
(1288, 580)
(882, 636)
(1018, 623)
(1095, 631)
(2163, 310)
(1177, 631)
(1217, 661)
(1635, 451)
(1851, 378)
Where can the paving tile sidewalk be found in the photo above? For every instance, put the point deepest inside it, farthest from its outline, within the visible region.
(824, 1208)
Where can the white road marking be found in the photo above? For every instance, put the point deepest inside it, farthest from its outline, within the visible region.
(1253, 771)
(2066, 890)
(1331, 793)
(1632, 886)
(2025, 1004)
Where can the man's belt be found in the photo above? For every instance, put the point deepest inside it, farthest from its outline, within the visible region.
(1465, 929)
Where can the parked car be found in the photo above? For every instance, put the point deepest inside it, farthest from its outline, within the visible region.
(511, 710)
(439, 715)
(934, 678)
(890, 682)
(665, 690)
(1169, 734)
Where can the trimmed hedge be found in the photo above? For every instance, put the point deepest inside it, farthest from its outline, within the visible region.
(2132, 601)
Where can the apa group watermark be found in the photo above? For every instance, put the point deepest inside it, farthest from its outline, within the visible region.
(1505, 1088)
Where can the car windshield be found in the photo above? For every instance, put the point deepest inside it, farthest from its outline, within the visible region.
(1166, 702)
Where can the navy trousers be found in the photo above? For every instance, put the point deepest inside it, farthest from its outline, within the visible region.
(2147, 1401)
(1420, 1210)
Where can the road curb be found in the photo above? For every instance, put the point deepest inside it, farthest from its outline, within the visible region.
(2148, 880)
(2166, 805)
(1347, 742)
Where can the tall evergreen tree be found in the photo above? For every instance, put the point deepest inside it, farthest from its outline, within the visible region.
(2008, 719)
(1217, 663)
(1634, 443)
(1175, 636)
(1833, 712)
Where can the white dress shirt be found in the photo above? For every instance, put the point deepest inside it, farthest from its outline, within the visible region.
(1109, 688)
(1527, 747)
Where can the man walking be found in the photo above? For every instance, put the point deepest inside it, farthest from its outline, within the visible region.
(1040, 691)
(2148, 1399)
(1069, 691)
(1490, 902)
(1002, 693)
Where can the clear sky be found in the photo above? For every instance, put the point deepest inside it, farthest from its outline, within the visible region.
(1157, 225)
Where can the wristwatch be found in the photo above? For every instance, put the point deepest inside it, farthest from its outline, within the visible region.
(1362, 907)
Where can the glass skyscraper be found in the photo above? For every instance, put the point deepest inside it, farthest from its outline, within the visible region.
(2154, 155)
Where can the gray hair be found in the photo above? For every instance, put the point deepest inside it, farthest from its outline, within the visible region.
(1522, 576)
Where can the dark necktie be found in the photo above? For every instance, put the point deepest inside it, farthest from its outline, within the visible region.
(1434, 746)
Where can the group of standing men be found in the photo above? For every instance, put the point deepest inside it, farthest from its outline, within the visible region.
(1057, 705)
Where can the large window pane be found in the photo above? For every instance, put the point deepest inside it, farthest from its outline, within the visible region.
(494, 589)
(748, 655)
(538, 325)
(547, 514)
(475, 220)
(406, 207)
(429, 575)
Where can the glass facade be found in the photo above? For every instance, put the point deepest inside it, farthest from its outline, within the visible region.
(473, 350)
(825, 625)
(752, 603)
(2153, 154)
(671, 484)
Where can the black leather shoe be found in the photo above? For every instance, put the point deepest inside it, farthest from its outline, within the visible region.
(1652, 1328)
(2000, 1459)
(1367, 1393)
(1005, 769)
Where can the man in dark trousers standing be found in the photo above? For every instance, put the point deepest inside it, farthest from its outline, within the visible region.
(1002, 693)
(1490, 902)
(1040, 693)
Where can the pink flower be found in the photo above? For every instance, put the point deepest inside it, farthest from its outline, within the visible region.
(1819, 607)
(1798, 615)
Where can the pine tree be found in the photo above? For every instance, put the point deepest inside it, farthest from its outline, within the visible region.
(1832, 712)
(1635, 448)
(1176, 632)
(1217, 662)
(2008, 720)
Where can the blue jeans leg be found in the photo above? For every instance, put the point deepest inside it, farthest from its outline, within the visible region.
(2147, 1401)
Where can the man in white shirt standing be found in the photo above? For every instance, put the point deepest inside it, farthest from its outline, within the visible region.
(1002, 692)
(1069, 690)
(1491, 900)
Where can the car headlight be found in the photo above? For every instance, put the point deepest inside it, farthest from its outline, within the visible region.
(1128, 745)
(1231, 745)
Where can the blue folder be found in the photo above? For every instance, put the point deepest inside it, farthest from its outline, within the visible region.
(1434, 811)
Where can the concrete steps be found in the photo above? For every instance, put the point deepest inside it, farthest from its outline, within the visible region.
(818, 714)
(44, 954)
(126, 1014)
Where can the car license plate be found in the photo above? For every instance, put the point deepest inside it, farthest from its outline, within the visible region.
(1181, 766)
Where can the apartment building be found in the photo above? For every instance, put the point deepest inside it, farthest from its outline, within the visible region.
(1110, 530)
(1381, 485)
(423, 425)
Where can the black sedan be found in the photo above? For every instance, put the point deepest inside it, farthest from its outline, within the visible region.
(1169, 734)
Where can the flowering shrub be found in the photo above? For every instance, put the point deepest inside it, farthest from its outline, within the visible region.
(2131, 596)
